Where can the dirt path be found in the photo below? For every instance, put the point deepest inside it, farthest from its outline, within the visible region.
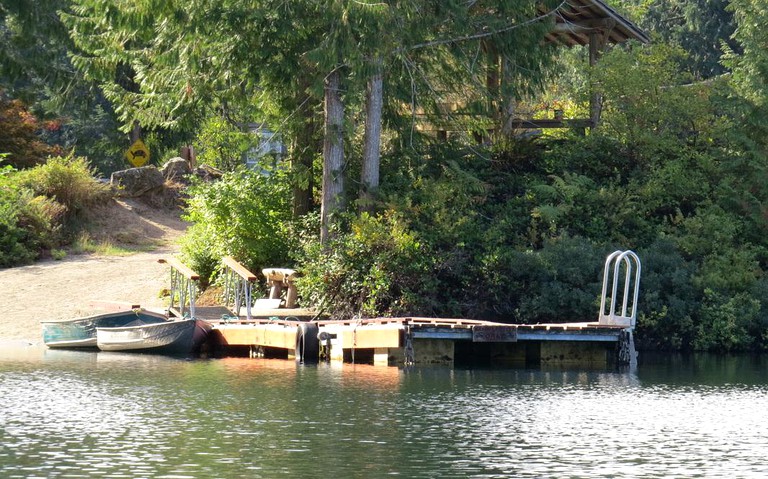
(68, 288)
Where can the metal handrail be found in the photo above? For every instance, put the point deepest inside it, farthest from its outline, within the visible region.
(185, 282)
(238, 286)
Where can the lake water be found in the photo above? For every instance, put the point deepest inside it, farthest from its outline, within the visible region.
(111, 415)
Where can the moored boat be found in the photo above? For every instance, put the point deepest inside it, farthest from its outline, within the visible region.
(182, 337)
(81, 332)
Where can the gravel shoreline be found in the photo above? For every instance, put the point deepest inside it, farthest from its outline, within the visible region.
(74, 287)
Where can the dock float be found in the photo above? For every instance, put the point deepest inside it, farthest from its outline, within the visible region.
(269, 329)
(421, 341)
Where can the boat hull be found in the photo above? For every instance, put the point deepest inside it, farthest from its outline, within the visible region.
(81, 332)
(180, 337)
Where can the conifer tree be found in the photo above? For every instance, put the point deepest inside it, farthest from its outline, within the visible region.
(181, 55)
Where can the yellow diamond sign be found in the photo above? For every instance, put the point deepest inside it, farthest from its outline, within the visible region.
(137, 154)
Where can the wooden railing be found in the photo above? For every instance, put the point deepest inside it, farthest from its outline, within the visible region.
(184, 285)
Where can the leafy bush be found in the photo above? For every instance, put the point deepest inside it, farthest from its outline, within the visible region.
(724, 322)
(28, 224)
(379, 268)
(13, 247)
(67, 180)
(247, 215)
(40, 203)
(222, 145)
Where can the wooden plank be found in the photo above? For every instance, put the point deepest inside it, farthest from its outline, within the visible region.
(238, 268)
(371, 337)
(185, 270)
(494, 334)
(274, 336)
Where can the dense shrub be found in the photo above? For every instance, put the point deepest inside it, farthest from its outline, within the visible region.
(223, 145)
(13, 237)
(67, 180)
(379, 268)
(39, 204)
(246, 214)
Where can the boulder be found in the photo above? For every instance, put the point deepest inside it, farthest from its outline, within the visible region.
(135, 182)
(176, 169)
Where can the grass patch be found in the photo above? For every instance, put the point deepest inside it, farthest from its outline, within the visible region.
(84, 244)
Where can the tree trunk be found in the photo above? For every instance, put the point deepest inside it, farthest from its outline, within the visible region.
(333, 154)
(369, 177)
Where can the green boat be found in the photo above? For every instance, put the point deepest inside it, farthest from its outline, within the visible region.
(81, 332)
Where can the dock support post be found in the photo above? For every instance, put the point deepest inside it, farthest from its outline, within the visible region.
(388, 356)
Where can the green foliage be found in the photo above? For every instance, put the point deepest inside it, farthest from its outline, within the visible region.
(13, 247)
(378, 268)
(669, 301)
(29, 224)
(40, 204)
(564, 282)
(650, 100)
(222, 145)
(246, 214)
(724, 322)
(698, 26)
(67, 180)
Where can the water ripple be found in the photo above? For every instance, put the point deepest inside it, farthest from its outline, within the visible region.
(129, 416)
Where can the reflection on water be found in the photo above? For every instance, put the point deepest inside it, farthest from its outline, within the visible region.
(69, 415)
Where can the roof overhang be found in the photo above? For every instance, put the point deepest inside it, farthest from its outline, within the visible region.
(577, 20)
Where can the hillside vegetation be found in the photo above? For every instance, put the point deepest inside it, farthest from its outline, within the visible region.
(391, 180)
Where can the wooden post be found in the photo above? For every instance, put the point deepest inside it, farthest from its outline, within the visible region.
(135, 131)
(596, 98)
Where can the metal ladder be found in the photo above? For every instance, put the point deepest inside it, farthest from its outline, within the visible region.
(627, 316)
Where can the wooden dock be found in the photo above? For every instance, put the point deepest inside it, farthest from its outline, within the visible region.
(412, 340)
(285, 332)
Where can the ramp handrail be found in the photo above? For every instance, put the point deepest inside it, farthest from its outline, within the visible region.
(184, 281)
(630, 260)
(238, 286)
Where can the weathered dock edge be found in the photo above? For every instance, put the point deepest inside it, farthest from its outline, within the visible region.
(421, 341)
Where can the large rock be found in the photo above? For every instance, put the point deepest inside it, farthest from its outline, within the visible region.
(176, 169)
(135, 182)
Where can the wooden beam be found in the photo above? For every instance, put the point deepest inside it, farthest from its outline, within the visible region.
(238, 268)
(584, 26)
(596, 45)
(185, 270)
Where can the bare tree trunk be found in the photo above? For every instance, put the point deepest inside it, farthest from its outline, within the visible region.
(333, 154)
(369, 177)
